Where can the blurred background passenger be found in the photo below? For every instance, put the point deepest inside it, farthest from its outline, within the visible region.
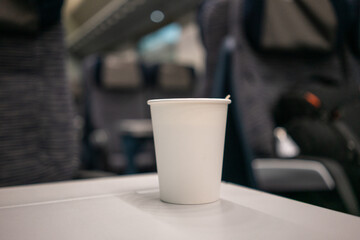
(37, 137)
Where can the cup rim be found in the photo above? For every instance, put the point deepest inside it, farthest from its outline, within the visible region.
(189, 100)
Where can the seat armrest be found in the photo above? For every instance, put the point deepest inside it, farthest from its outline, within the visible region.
(281, 175)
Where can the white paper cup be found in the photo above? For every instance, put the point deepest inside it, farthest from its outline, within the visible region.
(189, 136)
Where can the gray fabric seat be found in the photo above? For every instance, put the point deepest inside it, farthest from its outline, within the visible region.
(37, 137)
(114, 92)
(213, 20)
(260, 78)
(256, 80)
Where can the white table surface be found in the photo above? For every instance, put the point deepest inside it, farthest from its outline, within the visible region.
(129, 208)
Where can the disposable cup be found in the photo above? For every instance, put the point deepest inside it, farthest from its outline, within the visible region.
(189, 136)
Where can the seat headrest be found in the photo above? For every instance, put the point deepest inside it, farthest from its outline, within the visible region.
(175, 77)
(292, 25)
(117, 74)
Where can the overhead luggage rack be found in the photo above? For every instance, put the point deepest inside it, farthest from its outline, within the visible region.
(122, 21)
